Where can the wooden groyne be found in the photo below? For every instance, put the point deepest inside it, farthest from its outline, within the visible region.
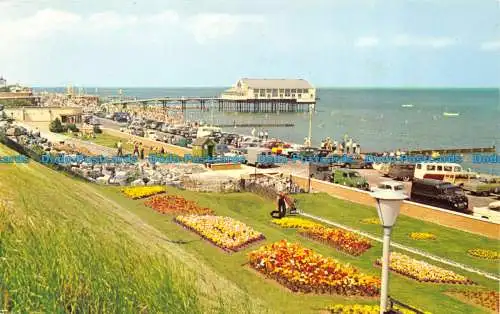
(256, 125)
(471, 150)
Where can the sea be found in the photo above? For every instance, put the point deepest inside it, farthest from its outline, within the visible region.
(379, 119)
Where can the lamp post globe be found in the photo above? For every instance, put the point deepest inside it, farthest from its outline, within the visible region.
(388, 207)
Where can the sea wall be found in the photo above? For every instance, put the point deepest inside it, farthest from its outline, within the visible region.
(419, 211)
(41, 114)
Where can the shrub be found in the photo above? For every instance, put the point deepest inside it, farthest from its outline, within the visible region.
(97, 129)
(73, 127)
(56, 126)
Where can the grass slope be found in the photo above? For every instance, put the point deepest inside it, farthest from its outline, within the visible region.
(64, 247)
(254, 211)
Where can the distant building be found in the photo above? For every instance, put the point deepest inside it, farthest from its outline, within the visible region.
(289, 90)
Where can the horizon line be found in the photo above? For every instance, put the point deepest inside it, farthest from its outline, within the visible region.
(317, 87)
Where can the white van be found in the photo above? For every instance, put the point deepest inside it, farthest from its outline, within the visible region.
(204, 131)
(449, 172)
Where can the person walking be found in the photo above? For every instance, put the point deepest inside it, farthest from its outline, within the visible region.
(266, 135)
(136, 149)
(253, 132)
(141, 152)
(281, 210)
(119, 147)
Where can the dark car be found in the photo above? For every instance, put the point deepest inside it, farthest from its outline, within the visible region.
(440, 194)
(121, 117)
(353, 162)
(403, 172)
(320, 171)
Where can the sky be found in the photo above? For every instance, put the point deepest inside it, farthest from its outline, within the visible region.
(331, 43)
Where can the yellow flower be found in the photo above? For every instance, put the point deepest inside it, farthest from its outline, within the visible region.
(484, 253)
(362, 309)
(371, 221)
(423, 271)
(294, 222)
(225, 232)
(422, 236)
(136, 192)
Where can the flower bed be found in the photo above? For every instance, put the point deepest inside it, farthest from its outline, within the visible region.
(422, 236)
(294, 222)
(364, 309)
(137, 192)
(486, 299)
(301, 270)
(168, 204)
(371, 221)
(342, 240)
(422, 271)
(224, 232)
(483, 253)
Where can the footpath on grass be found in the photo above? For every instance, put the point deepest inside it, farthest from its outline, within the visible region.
(406, 248)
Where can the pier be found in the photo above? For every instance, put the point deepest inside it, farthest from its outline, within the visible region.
(216, 103)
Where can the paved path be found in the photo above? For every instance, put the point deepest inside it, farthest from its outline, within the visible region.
(55, 137)
(406, 248)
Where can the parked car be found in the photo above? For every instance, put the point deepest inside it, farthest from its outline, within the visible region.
(404, 172)
(354, 162)
(390, 185)
(137, 132)
(349, 178)
(152, 135)
(320, 171)
(383, 169)
(164, 128)
(221, 149)
(483, 185)
(259, 157)
(238, 153)
(491, 212)
(440, 194)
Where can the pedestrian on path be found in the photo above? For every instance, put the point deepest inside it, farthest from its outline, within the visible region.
(266, 135)
(141, 152)
(136, 149)
(120, 149)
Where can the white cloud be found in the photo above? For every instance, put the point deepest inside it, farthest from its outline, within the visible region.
(111, 20)
(491, 45)
(210, 26)
(40, 25)
(432, 42)
(22, 32)
(165, 17)
(367, 42)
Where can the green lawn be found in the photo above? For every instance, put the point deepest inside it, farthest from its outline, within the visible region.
(64, 247)
(70, 245)
(254, 211)
(450, 243)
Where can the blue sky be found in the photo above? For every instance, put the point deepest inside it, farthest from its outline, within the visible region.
(122, 43)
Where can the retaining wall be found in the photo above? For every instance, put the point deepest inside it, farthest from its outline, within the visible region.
(419, 211)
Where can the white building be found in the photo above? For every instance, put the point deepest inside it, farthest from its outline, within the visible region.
(289, 90)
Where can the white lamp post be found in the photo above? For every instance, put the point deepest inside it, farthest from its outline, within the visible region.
(388, 206)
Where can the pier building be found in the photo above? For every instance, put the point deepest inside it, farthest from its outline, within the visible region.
(291, 90)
